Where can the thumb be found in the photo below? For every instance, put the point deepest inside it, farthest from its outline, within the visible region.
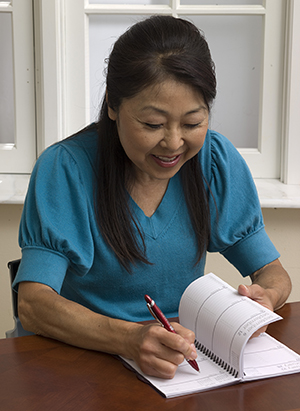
(244, 290)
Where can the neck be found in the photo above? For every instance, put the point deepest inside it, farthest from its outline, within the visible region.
(148, 196)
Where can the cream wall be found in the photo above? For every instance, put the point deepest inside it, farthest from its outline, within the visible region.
(9, 223)
(282, 225)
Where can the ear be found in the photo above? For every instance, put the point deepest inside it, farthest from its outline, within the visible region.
(112, 114)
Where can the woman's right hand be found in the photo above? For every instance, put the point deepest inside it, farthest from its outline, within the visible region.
(157, 351)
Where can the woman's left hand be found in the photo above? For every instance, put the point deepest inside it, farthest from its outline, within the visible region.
(259, 294)
(271, 286)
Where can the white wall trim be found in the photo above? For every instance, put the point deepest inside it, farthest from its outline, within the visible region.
(290, 169)
(50, 81)
(272, 193)
(174, 8)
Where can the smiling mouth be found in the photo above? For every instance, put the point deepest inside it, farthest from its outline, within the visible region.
(166, 162)
(166, 159)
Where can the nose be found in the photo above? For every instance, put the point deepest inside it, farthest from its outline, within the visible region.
(172, 140)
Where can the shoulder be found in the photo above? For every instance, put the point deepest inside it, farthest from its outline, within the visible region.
(79, 149)
(68, 163)
(218, 155)
(83, 143)
(217, 146)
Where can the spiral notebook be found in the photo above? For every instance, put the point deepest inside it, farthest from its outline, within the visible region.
(223, 322)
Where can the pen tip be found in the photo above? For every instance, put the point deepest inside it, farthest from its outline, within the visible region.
(147, 299)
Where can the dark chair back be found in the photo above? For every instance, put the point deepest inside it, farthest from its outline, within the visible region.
(18, 331)
(13, 269)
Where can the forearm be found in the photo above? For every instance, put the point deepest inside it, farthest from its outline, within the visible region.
(46, 313)
(275, 280)
(157, 351)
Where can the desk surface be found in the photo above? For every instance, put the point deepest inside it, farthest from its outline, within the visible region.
(37, 373)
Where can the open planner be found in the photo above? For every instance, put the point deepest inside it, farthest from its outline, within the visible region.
(223, 322)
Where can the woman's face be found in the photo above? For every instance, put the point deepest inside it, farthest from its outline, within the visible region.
(161, 128)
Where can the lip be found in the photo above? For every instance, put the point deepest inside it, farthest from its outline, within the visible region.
(167, 164)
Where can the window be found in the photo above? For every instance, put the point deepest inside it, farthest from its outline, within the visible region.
(257, 108)
(17, 105)
(249, 70)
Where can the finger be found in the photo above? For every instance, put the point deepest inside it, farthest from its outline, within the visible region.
(258, 332)
(184, 342)
(163, 344)
(244, 290)
(189, 337)
(158, 367)
(256, 293)
(185, 333)
(159, 360)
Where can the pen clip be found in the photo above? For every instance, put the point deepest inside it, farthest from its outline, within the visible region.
(153, 313)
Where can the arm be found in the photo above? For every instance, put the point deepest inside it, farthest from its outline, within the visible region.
(271, 286)
(157, 351)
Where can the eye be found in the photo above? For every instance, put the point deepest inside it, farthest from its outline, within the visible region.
(153, 126)
(191, 126)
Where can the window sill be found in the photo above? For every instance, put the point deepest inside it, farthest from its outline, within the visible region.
(13, 188)
(272, 193)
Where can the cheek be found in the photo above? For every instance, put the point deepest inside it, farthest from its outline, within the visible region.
(197, 141)
(135, 144)
(136, 141)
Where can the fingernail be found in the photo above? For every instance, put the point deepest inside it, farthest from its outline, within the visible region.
(194, 355)
(194, 352)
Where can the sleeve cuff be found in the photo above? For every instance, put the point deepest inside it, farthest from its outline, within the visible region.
(42, 266)
(252, 253)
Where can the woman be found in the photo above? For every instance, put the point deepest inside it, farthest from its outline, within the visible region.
(130, 205)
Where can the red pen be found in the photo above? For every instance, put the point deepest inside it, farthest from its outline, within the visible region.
(159, 316)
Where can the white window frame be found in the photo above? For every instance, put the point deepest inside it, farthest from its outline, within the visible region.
(64, 108)
(264, 161)
(290, 168)
(19, 156)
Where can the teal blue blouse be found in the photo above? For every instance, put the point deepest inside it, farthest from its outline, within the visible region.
(63, 248)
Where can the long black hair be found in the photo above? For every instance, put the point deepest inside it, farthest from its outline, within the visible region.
(151, 51)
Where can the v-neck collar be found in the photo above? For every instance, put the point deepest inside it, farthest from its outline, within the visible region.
(155, 225)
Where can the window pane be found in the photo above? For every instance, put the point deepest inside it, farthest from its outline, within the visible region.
(236, 46)
(103, 32)
(146, 2)
(220, 2)
(7, 111)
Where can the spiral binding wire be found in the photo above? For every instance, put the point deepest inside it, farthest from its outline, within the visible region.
(221, 363)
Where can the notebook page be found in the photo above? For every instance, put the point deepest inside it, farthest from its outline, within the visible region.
(222, 320)
(187, 380)
(264, 356)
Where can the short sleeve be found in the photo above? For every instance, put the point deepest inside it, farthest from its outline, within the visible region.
(55, 230)
(237, 227)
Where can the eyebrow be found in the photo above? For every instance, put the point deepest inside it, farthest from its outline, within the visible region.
(165, 112)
